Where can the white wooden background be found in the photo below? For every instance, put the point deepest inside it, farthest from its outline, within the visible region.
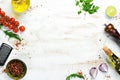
(61, 42)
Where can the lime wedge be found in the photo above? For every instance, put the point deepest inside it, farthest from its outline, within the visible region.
(111, 11)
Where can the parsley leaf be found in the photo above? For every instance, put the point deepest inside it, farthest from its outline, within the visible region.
(86, 6)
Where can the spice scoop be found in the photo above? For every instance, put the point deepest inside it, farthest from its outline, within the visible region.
(16, 69)
(5, 51)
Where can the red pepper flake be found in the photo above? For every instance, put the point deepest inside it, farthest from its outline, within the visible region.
(108, 76)
(18, 44)
(16, 68)
(80, 73)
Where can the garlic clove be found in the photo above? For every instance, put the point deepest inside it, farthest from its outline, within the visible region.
(93, 72)
(103, 67)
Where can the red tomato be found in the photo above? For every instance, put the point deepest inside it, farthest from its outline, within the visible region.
(12, 20)
(11, 26)
(0, 10)
(15, 30)
(7, 18)
(2, 13)
(3, 20)
(22, 28)
(16, 23)
(6, 24)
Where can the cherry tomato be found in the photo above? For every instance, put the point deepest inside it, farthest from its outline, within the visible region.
(11, 26)
(3, 20)
(22, 28)
(16, 23)
(7, 18)
(6, 24)
(2, 13)
(0, 10)
(12, 20)
(15, 30)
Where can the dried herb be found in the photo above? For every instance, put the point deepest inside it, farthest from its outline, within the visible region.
(75, 75)
(12, 35)
(86, 6)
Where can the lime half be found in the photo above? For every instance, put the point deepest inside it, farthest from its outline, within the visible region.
(111, 11)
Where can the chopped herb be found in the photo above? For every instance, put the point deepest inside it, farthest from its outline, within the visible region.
(12, 35)
(75, 75)
(86, 6)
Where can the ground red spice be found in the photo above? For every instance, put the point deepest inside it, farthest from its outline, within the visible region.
(16, 68)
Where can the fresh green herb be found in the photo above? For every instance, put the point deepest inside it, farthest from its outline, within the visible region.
(12, 35)
(74, 75)
(86, 6)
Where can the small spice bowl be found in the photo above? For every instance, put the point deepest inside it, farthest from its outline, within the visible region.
(16, 69)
